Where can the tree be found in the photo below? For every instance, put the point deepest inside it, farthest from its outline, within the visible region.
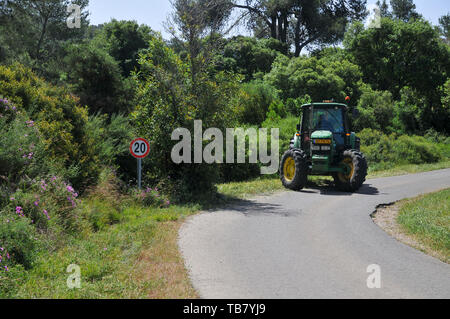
(39, 28)
(376, 109)
(195, 20)
(403, 54)
(168, 99)
(444, 24)
(303, 23)
(124, 40)
(321, 79)
(248, 56)
(96, 78)
(404, 10)
(384, 9)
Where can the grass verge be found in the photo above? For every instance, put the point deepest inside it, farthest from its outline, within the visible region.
(422, 222)
(136, 257)
(427, 219)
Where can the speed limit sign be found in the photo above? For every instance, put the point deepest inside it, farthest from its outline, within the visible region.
(140, 148)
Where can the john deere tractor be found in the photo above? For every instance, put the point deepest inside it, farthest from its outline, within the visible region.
(324, 145)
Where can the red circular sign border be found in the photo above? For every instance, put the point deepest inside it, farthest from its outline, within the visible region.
(143, 140)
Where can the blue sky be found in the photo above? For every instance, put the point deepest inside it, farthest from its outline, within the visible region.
(155, 12)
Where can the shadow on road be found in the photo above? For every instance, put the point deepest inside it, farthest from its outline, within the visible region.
(330, 189)
(249, 207)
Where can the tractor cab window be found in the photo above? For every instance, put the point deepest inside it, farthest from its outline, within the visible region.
(328, 119)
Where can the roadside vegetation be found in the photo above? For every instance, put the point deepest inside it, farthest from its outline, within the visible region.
(422, 222)
(427, 219)
(71, 100)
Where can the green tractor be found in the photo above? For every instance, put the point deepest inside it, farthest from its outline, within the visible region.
(324, 145)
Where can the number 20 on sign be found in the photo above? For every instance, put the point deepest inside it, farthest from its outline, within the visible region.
(139, 148)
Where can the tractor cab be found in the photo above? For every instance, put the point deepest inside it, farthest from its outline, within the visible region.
(324, 121)
(324, 145)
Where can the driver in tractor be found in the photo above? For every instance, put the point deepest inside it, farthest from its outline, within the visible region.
(324, 123)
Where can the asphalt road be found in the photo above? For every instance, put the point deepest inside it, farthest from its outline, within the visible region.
(316, 243)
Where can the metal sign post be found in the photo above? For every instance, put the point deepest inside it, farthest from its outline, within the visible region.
(139, 148)
(139, 173)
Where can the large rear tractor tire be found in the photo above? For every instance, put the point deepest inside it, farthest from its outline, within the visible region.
(357, 171)
(294, 169)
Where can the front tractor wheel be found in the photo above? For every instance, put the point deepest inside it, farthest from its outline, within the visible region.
(356, 171)
(294, 169)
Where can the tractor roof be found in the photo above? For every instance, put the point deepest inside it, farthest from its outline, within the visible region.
(327, 104)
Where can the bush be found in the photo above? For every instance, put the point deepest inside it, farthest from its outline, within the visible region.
(287, 127)
(51, 204)
(110, 139)
(60, 120)
(253, 102)
(18, 244)
(96, 78)
(21, 148)
(321, 79)
(170, 96)
(277, 111)
(384, 151)
(294, 106)
(150, 197)
(376, 110)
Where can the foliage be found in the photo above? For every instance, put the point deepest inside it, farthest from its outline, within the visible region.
(35, 32)
(150, 197)
(384, 151)
(60, 121)
(404, 10)
(170, 97)
(253, 101)
(123, 40)
(302, 23)
(248, 56)
(399, 55)
(96, 78)
(376, 110)
(319, 78)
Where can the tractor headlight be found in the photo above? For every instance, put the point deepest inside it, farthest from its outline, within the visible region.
(326, 148)
(315, 147)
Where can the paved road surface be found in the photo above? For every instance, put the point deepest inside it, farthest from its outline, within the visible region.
(316, 243)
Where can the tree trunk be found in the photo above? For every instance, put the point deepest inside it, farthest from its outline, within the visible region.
(285, 27)
(298, 49)
(273, 27)
(280, 27)
(41, 38)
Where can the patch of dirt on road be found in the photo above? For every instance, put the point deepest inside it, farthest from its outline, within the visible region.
(386, 218)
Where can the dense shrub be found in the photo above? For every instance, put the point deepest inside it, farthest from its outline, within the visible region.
(321, 79)
(294, 106)
(74, 146)
(21, 148)
(96, 78)
(253, 102)
(150, 197)
(50, 203)
(376, 110)
(384, 151)
(170, 96)
(18, 244)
